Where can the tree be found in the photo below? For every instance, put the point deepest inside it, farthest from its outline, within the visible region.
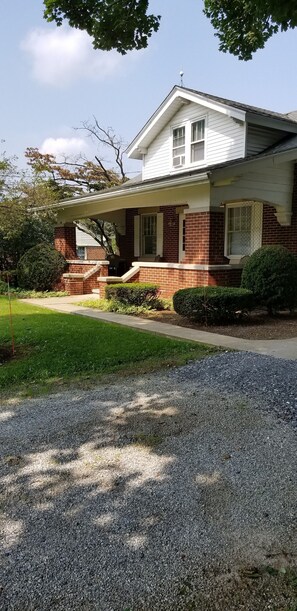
(243, 26)
(113, 24)
(75, 176)
(20, 228)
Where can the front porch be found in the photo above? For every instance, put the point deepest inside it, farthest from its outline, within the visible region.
(192, 234)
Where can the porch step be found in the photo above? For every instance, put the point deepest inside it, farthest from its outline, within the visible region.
(96, 291)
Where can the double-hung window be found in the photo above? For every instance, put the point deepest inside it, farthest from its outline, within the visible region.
(197, 141)
(243, 229)
(188, 143)
(149, 234)
(179, 146)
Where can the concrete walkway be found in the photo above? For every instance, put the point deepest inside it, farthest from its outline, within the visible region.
(280, 348)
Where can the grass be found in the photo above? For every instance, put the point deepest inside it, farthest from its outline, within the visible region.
(53, 349)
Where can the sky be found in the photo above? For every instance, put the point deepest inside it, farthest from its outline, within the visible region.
(52, 80)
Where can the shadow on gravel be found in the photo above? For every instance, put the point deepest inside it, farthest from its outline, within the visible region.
(122, 499)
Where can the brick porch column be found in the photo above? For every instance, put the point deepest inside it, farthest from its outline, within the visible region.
(65, 241)
(205, 238)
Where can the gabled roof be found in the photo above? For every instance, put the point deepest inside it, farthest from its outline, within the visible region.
(179, 96)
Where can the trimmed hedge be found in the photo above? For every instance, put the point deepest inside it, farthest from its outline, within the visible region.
(40, 267)
(133, 293)
(211, 305)
(271, 273)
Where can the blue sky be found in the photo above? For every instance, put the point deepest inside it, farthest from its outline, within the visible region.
(52, 79)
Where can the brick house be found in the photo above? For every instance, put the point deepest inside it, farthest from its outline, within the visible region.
(218, 180)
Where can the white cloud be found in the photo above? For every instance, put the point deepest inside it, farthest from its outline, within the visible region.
(62, 56)
(64, 146)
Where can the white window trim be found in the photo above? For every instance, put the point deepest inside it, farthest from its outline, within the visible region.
(188, 141)
(256, 229)
(202, 161)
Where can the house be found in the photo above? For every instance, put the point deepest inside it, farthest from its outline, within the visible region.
(218, 181)
(87, 248)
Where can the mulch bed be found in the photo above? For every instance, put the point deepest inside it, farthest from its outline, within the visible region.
(258, 325)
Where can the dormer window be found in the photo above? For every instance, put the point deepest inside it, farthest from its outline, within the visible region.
(179, 146)
(188, 143)
(197, 141)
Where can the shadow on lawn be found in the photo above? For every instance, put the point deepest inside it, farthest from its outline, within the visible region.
(114, 498)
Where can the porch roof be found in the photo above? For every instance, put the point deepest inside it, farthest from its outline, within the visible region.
(175, 188)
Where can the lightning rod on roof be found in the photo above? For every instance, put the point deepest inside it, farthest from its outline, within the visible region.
(181, 74)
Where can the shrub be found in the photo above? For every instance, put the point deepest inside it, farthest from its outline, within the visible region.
(40, 267)
(271, 273)
(3, 288)
(213, 304)
(10, 275)
(133, 293)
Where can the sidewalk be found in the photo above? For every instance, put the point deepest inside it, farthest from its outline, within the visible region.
(280, 348)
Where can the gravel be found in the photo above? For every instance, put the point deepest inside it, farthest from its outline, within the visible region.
(155, 493)
(266, 379)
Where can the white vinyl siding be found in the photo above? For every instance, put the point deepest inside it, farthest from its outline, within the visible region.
(83, 239)
(260, 138)
(224, 140)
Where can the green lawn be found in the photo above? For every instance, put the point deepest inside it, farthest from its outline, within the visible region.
(52, 348)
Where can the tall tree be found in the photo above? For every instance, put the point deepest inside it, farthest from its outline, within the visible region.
(243, 26)
(20, 227)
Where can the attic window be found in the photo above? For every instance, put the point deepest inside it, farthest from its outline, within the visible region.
(179, 146)
(197, 141)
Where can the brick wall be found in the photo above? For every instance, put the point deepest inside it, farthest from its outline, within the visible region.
(205, 238)
(170, 280)
(274, 233)
(95, 253)
(65, 241)
(170, 234)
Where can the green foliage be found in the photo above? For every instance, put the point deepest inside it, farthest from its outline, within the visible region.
(245, 27)
(3, 287)
(112, 305)
(133, 293)
(121, 25)
(271, 273)
(242, 27)
(213, 304)
(20, 227)
(40, 267)
(23, 294)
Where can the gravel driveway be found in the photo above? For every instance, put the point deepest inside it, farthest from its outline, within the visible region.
(174, 491)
